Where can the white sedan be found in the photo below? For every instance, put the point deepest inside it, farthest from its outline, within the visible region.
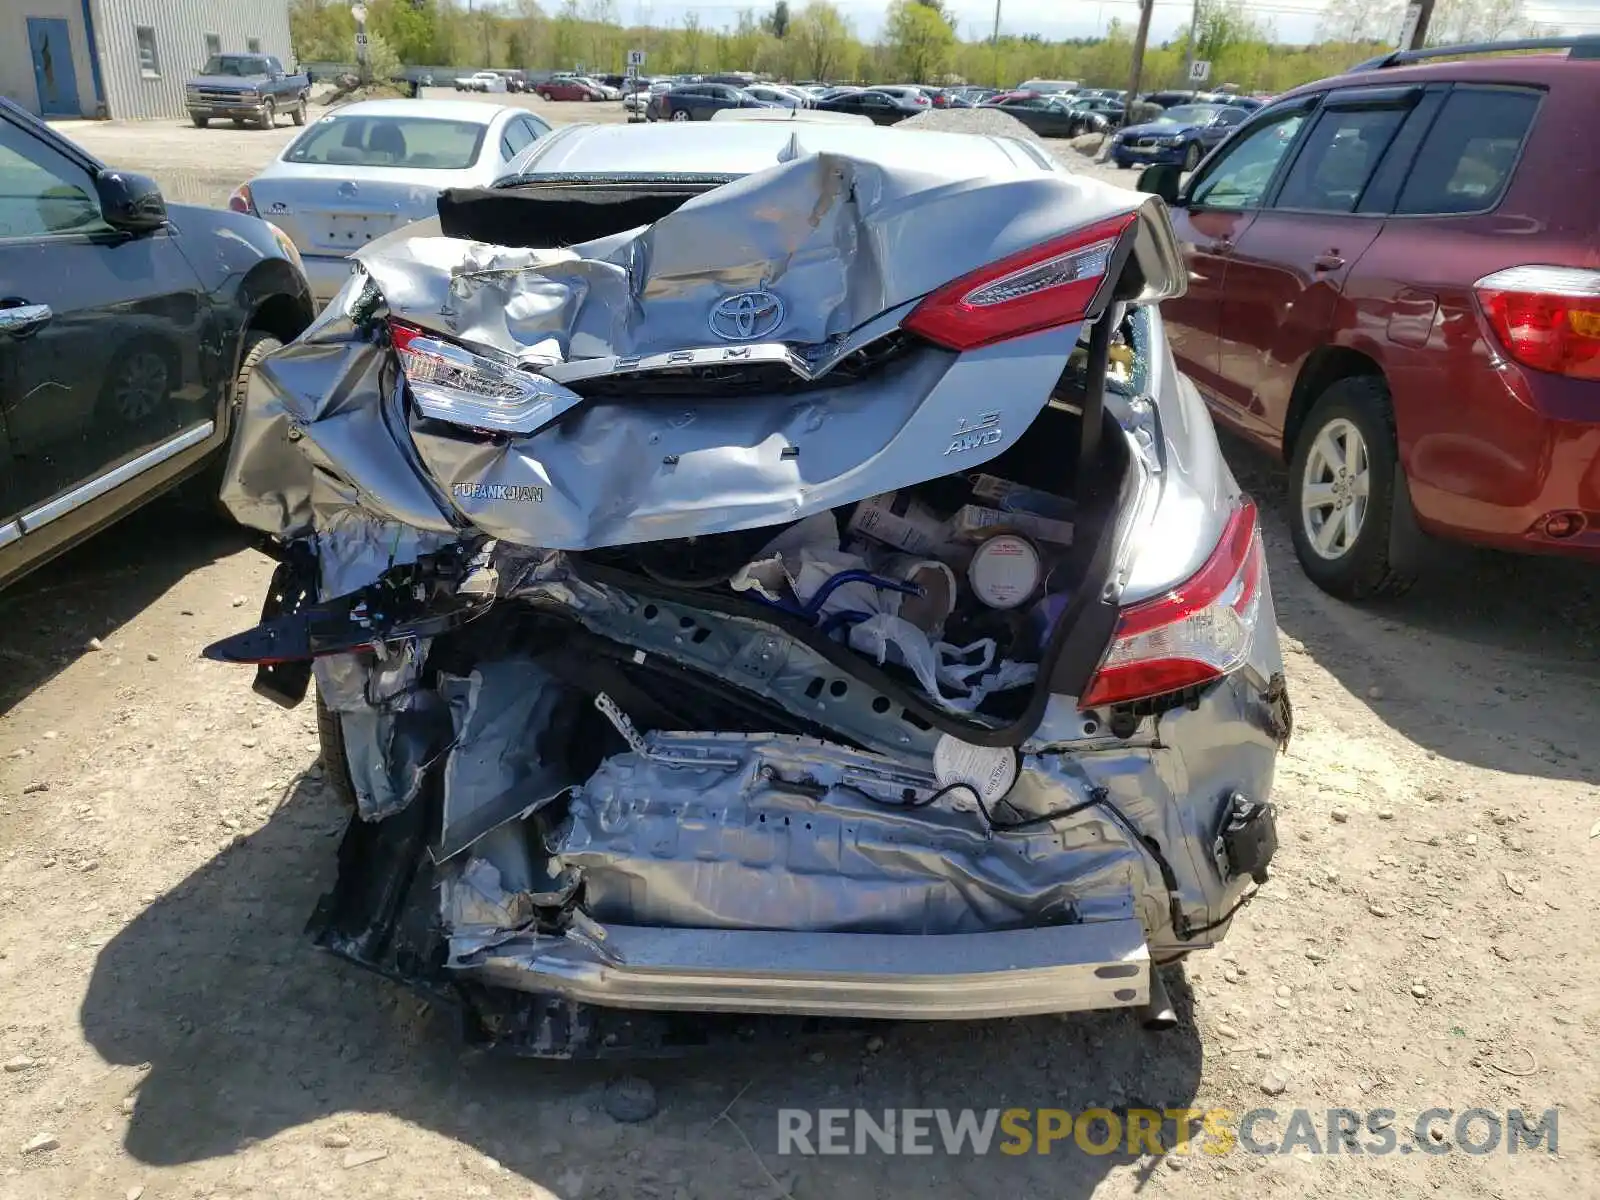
(370, 167)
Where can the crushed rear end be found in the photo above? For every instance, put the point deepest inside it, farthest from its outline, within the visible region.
(769, 603)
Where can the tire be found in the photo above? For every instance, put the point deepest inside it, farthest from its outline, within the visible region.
(237, 123)
(199, 121)
(297, 114)
(1191, 156)
(335, 762)
(269, 114)
(545, 96)
(680, 114)
(1352, 566)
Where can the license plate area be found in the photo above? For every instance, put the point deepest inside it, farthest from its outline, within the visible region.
(351, 231)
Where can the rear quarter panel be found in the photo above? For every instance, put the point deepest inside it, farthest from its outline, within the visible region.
(1470, 426)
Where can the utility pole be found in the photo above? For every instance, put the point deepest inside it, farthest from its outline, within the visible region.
(1194, 30)
(995, 42)
(1414, 33)
(1137, 69)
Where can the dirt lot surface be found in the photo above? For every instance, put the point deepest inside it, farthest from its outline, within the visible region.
(1426, 941)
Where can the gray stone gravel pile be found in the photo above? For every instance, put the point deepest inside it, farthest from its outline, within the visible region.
(993, 123)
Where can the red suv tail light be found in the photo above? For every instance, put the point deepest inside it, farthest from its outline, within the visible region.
(1547, 318)
(1042, 287)
(1199, 631)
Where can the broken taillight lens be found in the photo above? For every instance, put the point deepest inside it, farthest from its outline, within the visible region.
(451, 383)
(1194, 633)
(1042, 287)
(1547, 318)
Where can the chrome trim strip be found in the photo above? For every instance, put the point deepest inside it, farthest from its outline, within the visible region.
(700, 356)
(1016, 972)
(11, 532)
(815, 363)
(115, 478)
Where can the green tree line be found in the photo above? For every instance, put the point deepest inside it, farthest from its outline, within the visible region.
(919, 42)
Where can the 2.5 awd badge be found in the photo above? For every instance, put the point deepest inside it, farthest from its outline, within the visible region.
(969, 435)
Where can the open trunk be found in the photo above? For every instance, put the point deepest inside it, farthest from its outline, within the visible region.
(713, 612)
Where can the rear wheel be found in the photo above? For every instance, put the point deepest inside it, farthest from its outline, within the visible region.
(1342, 491)
(1191, 156)
(681, 114)
(298, 113)
(257, 345)
(269, 114)
(335, 762)
(199, 121)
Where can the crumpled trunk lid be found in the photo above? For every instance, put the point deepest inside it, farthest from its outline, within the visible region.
(736, 364)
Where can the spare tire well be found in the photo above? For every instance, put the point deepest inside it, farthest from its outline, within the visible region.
(1324, 367)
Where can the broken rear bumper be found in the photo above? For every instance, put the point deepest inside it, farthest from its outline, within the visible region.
(1021, 972)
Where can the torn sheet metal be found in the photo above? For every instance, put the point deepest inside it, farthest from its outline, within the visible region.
(323, 427)
(788, 839)
(512, 721)
(389, 751)
(474, 899)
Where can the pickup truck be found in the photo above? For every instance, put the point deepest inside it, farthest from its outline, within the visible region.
(246, 87)
(481, 81)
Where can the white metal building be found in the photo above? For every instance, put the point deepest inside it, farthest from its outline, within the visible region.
(125, 58)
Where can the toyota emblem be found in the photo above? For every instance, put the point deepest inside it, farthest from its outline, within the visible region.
(745, 316)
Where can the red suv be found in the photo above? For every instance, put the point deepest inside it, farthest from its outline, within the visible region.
(1395, 284)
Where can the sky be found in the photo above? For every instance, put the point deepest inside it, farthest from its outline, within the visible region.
(1295, 20)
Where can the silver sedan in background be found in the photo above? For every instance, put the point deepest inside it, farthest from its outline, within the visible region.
(371, 167)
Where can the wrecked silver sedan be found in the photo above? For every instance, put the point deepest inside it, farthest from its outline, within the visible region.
(786, 575)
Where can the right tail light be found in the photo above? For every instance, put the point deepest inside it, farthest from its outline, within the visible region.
(1547, 318)
(1198, 631)
(1042, 287)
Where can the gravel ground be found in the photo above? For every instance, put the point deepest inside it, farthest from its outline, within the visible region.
(1425, 940)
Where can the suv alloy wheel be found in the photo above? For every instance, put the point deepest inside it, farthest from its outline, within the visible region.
(1341, 491)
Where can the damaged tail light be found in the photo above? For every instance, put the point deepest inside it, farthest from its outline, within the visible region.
(1042, 287)
(451, 383)
(1194, 633)
(241, 201)
(1547, 318)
